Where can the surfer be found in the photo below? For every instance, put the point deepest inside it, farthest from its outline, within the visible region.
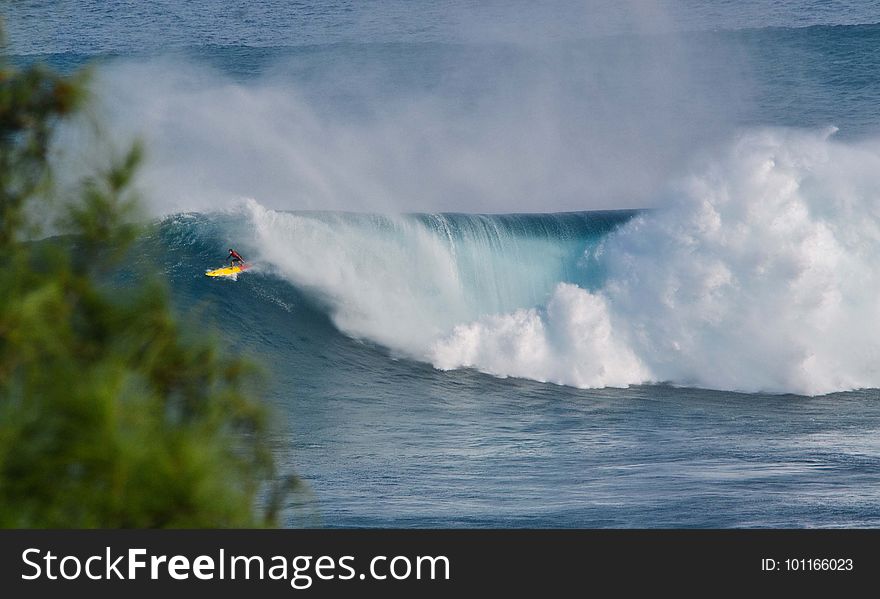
(235, 257)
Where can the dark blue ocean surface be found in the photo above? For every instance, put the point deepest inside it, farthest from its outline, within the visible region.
(96, 26)
(498, 129)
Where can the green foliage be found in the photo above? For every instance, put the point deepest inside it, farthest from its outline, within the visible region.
(109, 416)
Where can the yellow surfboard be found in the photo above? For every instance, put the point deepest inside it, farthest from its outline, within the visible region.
(227, 271)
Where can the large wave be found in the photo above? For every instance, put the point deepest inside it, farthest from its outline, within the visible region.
(406, 281)
(756, 274)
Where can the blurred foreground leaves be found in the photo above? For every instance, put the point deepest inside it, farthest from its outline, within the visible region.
(110, 416)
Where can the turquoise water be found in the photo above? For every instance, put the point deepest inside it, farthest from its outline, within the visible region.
(467, 317)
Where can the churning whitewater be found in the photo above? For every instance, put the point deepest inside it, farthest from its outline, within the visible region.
(754, 274)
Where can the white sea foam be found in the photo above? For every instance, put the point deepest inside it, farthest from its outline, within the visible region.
(571, 342)
(759, 274)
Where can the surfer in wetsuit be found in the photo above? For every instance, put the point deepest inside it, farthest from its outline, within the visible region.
(235, 257)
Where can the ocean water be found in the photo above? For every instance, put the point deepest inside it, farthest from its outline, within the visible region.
(574, 264)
